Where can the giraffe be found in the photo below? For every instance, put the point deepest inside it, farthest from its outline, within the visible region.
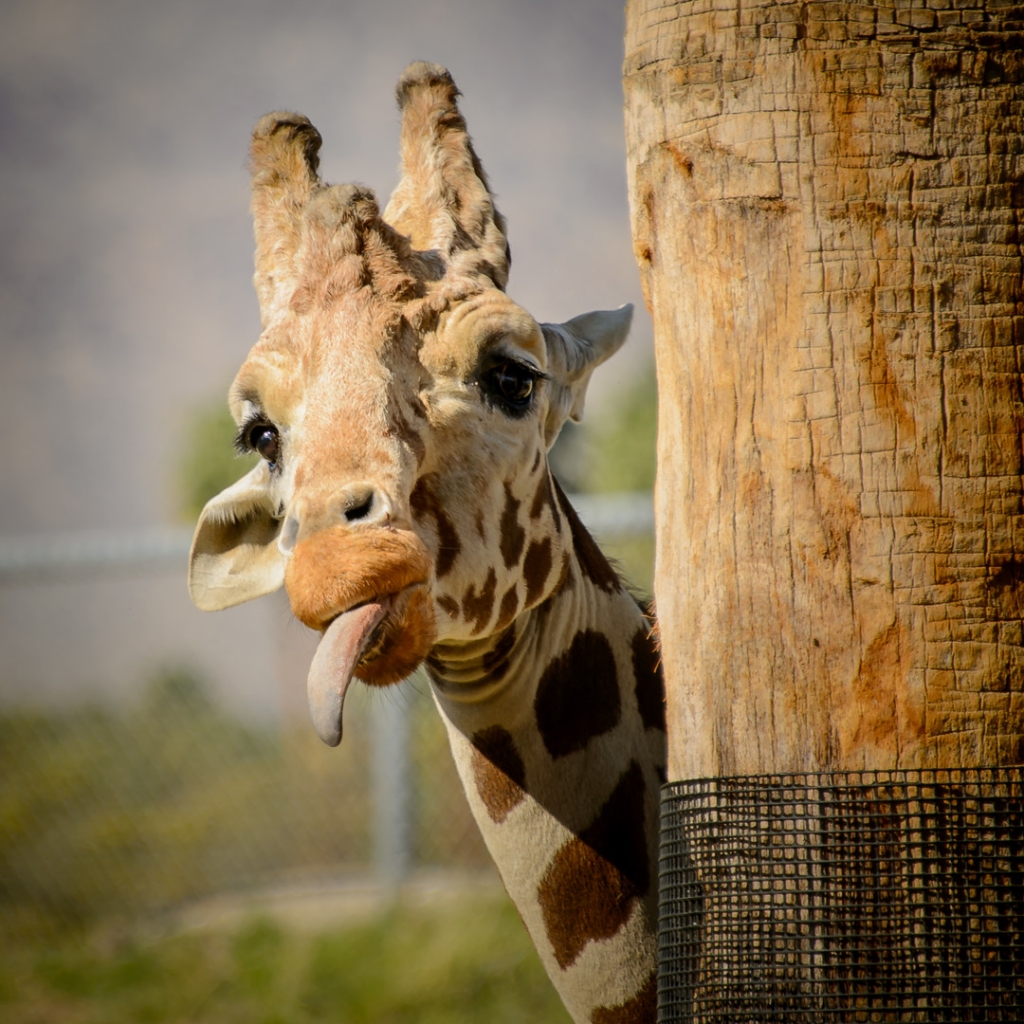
(403, 406)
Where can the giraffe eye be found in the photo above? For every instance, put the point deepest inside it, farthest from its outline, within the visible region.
(265, 440)
(262, 437)
(512, 384)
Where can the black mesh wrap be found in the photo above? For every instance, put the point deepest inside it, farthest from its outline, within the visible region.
(858, 896)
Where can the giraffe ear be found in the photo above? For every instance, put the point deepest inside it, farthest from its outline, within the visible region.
(575, 349)
(235, 556)
(443, 201)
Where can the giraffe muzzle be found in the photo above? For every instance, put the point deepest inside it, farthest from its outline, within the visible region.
(368, 592)
(338, 569)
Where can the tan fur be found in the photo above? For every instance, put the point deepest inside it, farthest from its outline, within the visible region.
(401, 476)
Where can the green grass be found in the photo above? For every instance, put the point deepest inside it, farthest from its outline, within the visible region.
(468, 962)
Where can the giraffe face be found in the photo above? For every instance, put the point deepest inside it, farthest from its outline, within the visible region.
(482, 500)
(403, 407)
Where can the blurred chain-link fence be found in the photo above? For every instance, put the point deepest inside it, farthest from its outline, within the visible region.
(113, 809)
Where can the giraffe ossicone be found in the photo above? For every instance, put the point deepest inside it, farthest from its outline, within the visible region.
(403, 407)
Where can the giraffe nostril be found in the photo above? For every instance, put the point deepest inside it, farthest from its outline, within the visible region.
(359, 509)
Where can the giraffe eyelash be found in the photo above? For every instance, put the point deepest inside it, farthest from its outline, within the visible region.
(244, 443)
(241, 440)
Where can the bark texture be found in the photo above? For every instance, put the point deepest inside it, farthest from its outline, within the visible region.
(826, 201)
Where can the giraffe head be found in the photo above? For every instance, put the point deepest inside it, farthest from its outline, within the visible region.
(402, 404)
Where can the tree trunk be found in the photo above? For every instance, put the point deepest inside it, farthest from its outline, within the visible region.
(825, 205)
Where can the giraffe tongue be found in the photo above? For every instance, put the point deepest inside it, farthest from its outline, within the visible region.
(330, 673)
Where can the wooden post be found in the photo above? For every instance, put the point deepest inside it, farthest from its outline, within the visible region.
(825, 202)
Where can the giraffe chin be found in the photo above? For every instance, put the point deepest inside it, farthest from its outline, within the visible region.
(402, 640)
(380, 642)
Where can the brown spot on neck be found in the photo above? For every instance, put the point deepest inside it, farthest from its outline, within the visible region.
(509, 607)
(578, 695)
(539, 499)
(592, 561)
(589, 889)
(513, 536)
(498, 771)
(543, 498)
(650, 687)
(536, 569)
(477, 608)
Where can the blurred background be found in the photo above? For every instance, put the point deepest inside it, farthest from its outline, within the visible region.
(175, 843)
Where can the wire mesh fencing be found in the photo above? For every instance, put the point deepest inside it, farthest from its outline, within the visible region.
(108, 815)
(892, 896)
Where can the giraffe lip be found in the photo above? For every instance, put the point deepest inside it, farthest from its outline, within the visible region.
(345, 641)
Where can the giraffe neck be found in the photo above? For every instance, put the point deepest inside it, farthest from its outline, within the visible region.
(556, 726)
